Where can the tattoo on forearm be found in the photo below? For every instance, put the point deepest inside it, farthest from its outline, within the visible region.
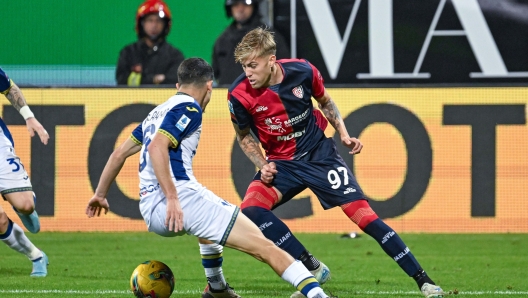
(16, 98)
(331, 113)
(252, 150)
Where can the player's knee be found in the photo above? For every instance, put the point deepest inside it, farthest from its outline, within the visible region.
(360, 213)
(253, 213)
(25, 206)
(260, 195)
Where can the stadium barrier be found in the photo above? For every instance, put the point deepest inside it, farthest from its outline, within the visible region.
(438, 160)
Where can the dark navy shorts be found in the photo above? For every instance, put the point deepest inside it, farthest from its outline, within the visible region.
(323, 171)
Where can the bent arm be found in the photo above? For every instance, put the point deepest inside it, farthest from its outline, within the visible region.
(16, 98)
(329, 108)
(250, 147)
(158, 151)
(114, 164)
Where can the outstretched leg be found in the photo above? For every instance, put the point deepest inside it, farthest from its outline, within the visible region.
(247, 237)
(257, 206)
(361, 214)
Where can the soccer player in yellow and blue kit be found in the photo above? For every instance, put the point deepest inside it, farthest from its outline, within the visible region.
(15, 185)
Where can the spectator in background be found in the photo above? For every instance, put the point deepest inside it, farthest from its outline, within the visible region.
(150, 60)
(246, 17)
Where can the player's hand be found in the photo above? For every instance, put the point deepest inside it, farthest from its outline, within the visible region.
(267, 173)
(352, 143)
(33, 126)
(96, 205)
(174, 219)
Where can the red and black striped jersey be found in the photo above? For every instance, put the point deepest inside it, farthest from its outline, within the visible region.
(281, 116)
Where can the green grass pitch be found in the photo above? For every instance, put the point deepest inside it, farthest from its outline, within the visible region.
(100, 264)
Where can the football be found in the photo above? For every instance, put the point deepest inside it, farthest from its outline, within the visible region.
(152, 279)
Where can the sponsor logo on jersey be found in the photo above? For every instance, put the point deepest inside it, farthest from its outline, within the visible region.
(261, 108)
(298, 91)
(274, 125)
(183, 122)
(192, 109)
(290, 136)
(297, 119)
(349, 190)
(146, 189)
(230, 105)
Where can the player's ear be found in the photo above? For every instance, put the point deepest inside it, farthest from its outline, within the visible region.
(272, 60)
(210, 86)
(178, 86)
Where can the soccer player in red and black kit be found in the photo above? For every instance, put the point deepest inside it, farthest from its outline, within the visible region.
(273, 99)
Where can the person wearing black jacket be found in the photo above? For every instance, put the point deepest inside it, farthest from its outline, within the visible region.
(246, 17)
(150, 60)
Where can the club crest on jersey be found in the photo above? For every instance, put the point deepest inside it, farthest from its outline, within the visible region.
(183, 122)
(298, 91)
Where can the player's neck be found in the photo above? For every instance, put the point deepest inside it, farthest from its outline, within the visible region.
(276, 75)
(197, 94)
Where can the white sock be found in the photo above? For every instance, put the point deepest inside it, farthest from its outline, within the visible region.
(296, 273)
(215, 276)
(316, 293)
(18, 241)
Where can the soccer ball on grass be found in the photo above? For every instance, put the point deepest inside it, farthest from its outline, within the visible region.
(152, 279)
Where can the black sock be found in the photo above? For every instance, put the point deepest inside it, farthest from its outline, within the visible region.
(421, 277)
(275, 230)
(393, 246)
(309, 261)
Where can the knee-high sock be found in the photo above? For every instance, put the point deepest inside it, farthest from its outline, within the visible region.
(393, 246)
(15, 238)
(297, 275)
(275, 230)
(212, 262)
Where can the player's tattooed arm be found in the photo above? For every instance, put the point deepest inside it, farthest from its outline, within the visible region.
(329, 109)
(331, 113)
(250, 146)
(16, 98)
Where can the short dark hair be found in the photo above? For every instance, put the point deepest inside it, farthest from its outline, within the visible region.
(195, 71)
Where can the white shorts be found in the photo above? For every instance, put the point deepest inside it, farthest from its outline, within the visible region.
(13, 176)
(205, 215)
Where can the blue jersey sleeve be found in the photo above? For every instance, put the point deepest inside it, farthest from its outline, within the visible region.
(181, 121)
(5, 82)
(239, 113)
(137, 135)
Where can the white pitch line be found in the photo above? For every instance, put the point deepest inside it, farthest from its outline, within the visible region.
(374, 293)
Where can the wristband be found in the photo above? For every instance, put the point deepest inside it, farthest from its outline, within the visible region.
(25, 111)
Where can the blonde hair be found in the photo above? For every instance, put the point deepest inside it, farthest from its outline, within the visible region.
(256, 43)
